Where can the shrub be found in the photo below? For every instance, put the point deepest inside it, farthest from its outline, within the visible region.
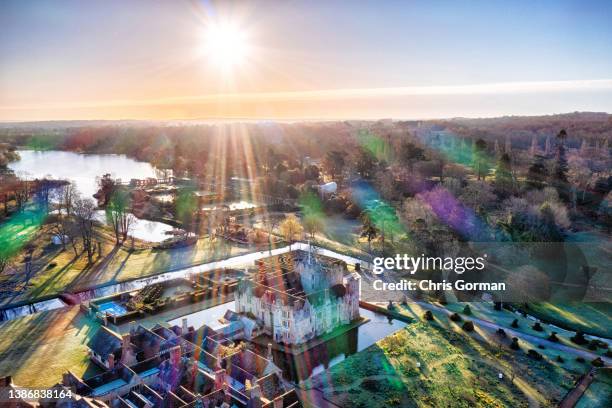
(580, 359)
(553, 337)
(560, 359)
(370, 385)
(598, 362)
(467, 310)
(593, 345)
(515, 323)
(455, 317)
(538, 327)
(608, 354)
(578, 338)
(541, 347)
(501, 332)
(515, 344)
(497, 306)
(468, 326)
(534, 354)
(429, 315)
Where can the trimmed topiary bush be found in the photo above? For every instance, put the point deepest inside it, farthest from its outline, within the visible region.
(467, 310)
(455, 317)
(468, 326)
(593, 345)
(580, 359)
(497, 306)
(515, 344)
(553, 337)
(428, 315)
(608, 354)
(537, 327)
(598, 362)
(534, 354)
(560, 359)
(578, 338)
(501, 332)
(515, 323)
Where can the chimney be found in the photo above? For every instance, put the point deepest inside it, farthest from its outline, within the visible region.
(125, 342)
(255, 396)
(227, 395)
(110, 361)
(184, 326)
(219, 378)
(66, 379)
(278, 402)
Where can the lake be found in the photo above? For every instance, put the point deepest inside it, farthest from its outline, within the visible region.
(83, 169)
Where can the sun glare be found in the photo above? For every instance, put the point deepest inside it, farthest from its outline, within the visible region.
(225, 45)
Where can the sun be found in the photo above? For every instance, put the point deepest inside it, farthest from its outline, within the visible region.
(226, 45)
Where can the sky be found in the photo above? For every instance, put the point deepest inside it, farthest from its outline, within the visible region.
(138, 59)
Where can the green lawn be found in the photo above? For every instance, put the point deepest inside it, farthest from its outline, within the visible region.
(485, 311)
(592, 318)
(36, 350)
(599, 393)
(453, 372)
(455, 366)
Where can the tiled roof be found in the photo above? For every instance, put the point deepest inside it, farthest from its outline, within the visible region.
(105, 342)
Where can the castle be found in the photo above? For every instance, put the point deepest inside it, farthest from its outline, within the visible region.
(298, 296)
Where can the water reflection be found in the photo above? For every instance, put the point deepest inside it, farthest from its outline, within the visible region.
(317, 359)
(82, 169)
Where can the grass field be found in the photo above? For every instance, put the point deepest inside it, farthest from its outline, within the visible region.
(592, 318)
(451, 373)
(599, 393)
(36, 350)
(485, 311)
(457, 369)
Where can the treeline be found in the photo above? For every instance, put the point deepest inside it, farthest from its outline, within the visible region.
(591, 127)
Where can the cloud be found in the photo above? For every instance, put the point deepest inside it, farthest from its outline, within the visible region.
(527, 87)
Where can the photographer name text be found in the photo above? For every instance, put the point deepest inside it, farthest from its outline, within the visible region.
(406, 285)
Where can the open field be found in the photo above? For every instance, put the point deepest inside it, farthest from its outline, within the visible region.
(485, 311)
(455, 366)
(386, 374)
(37, 349)
(592, 318)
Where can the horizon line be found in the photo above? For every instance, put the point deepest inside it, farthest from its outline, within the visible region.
(517, 87)
(232, 120)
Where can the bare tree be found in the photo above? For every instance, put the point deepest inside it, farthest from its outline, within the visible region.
(65, 197)
(85, 212)
(119, 216)
(44, 190)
